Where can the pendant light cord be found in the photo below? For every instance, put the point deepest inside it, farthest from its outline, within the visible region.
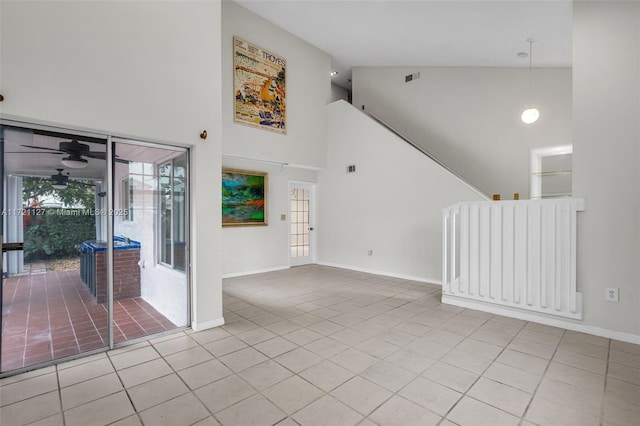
(531, 114)
(530, 76)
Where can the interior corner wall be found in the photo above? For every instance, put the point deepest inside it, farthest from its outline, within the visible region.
(606, 155)
(251, 249)
(339, 93)
(308, 90)
(391, 206)
(141, 70)
(469, 118)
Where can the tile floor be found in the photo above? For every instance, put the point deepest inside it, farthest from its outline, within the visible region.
(51, 315)
(323, 346)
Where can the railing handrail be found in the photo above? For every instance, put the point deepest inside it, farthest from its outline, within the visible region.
(425, 152)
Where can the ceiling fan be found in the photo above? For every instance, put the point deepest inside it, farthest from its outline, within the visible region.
(60, 181)
(76, 153)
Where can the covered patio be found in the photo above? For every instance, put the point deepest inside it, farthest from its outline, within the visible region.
(51, 314)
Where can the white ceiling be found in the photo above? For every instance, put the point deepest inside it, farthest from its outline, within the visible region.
(471, 33)
(23, 158)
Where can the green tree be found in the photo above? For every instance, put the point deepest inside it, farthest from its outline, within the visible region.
(54, 234)
(77, 193)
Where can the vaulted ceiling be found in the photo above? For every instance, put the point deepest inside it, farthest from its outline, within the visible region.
(470, 33)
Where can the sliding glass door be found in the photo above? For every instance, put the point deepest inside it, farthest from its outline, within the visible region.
(65, 288)
(150, 239)
(52, 185)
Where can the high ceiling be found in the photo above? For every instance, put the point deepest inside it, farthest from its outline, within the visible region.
(480, 33)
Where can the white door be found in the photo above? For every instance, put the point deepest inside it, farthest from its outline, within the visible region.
(301, 224)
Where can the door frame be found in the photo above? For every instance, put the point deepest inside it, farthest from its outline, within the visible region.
(312, 186)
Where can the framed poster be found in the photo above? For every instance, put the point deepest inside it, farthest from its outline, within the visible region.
(244, 198)
(259, 87)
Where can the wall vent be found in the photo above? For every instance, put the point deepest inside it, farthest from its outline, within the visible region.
(351, 168)
(411, 77)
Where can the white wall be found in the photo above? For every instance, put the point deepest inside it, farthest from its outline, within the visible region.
(391, 205)
(606, 154)
(339, 93)
(249, 249)
(308, 83)
(162, 287)
(469, 118)
(147, 70)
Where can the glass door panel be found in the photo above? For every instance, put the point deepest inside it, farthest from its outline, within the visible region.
(301, 230)
(53, 287)
(54, 190)
(150, 239)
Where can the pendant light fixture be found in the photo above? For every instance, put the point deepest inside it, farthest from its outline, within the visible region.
(531, 114)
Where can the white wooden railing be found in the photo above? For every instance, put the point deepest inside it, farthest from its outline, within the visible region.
(519, 254)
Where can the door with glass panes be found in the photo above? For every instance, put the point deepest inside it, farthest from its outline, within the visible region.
(301, 215)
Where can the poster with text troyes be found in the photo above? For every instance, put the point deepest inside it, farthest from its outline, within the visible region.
(259, 87)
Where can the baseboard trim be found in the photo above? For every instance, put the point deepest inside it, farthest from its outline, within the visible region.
(196, 326)
(569, 325)
(257, 271)
(383, 273)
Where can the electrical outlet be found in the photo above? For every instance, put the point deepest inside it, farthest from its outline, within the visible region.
(611, 294)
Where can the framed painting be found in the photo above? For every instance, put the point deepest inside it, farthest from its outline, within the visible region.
(259, 81)
(244, 198)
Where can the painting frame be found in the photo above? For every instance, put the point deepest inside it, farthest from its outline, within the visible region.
(259, 87)
(245, 196)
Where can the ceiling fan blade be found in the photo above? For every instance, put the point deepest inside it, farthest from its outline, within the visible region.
(103, 156)
(33, 152)
(95, 154)
(90, 154)
(67, 136)
(41, 147)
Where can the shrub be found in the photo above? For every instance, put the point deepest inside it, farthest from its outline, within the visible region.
(55, 235)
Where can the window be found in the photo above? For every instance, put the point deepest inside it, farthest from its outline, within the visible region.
(127, 198)
(172, 207)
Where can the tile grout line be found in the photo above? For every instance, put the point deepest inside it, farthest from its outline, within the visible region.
(66, 305)
(126, 390)
(463, 394)
(604, 387)
(191, 391)
(294, 374)
(64, 421)
(542, 377)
